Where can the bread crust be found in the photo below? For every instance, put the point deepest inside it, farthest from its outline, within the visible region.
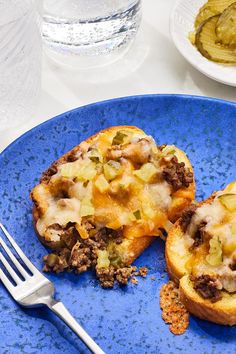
(132, 247)
(222, 311)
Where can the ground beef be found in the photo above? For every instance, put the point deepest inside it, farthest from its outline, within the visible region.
(123, 275)
(176, 174)
(143, 272)
(106, 276)
(73, 156)
(208, 286)
(199, 235)
(69, 237)
(105, 235)
(52, 170)
(57, 262)
(81, 254)
(187, 217)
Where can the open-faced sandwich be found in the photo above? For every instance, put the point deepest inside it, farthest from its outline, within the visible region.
(101, 203)
(201, 257)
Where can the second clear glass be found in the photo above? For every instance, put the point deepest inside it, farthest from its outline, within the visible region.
(89, 27)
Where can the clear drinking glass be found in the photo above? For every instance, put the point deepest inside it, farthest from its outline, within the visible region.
(89, 27)
(20, 61)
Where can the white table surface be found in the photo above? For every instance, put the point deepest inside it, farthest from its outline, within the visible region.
(152, 65)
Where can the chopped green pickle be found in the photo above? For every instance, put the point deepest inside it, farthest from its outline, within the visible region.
(95, 155)
(86, 208)
(168, 150)
(52, 259)
(103, 259)
(146, 172)
(137, 214)
(214, 257)
(101, 184)
(119, 138)
(112, 169)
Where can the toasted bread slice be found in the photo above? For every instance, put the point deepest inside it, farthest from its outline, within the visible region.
(117, 180)
(201, 257)
(222, 311)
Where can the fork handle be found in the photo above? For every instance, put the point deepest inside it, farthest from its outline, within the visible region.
(59, 309)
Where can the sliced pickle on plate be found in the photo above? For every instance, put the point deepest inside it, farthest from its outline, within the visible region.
(205, 12)
(226, 26)
(206, 43)
(211, 8)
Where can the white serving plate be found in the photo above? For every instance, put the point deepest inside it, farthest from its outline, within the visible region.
(181, 23)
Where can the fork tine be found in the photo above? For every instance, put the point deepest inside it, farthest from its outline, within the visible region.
(31, 267)
(6, 282)
(9, 269)
(14, 259)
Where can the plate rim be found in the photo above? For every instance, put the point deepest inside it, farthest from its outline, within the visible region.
(184, 53)
(117, 99)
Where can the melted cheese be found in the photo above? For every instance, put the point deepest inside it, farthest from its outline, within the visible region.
(57, 213)
(114, 208)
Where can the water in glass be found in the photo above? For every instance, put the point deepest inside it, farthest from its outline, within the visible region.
(20, 61)
(89, 27)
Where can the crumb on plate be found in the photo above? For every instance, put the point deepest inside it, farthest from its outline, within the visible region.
(173, 311)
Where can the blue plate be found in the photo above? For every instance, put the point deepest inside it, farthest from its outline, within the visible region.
(122, 320)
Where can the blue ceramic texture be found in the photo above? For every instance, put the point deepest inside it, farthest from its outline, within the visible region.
(122, 320)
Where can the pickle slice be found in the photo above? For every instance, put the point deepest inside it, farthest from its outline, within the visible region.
(211, 8)
(205, 12)
(226, 26)
(206, 43)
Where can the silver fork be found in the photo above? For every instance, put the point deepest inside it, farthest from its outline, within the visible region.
(36, 290)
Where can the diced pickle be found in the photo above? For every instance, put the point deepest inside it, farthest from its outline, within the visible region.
(86, 208)
(101, 184)
(168, 150)
(146, 172)
(87, 172)
(228, 201)
(103, 259)
(95, 155)
(214, 257)
(52, 259)
(112, 169)
(226, 26)
(137, 214)
(119, 138)
(122, 137)
(83, 171)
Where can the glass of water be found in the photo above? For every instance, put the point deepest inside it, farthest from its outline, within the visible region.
(20, 61)
(89, 27)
